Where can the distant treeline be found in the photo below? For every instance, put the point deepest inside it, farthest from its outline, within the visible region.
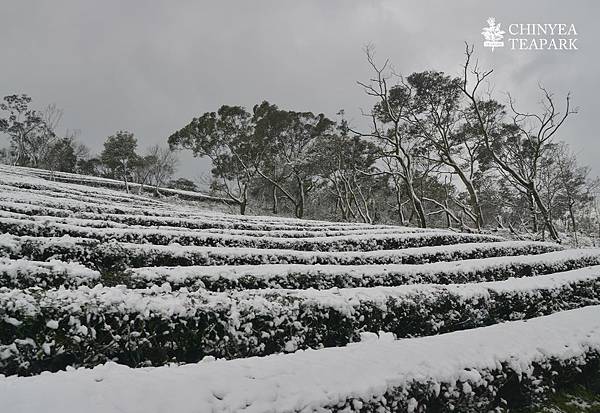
(439, 151)
(35, 142)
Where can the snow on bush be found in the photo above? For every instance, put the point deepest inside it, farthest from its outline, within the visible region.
(25, 273)
(63, 248)
(115, 256)
(142, 255)
(508, 366)
(284, 285)
(365, 242)
(302, 276)
(157, 326)
(31, 213)
(48, 206)
(27, 189)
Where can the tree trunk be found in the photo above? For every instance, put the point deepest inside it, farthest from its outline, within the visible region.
(474, 200)
(418, 207)
(401, 213)
(534, 223)
(545, 214)
(448, 223)
(574, 224)
(125, 176)
(275, 201)
(20, 150)
(301, 199)
(414, 199)
(244, 200)
(399, 202)
(126, 183)
(408, 180)
(473, 197)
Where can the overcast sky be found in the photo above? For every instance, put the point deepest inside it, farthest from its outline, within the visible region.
(151, 66)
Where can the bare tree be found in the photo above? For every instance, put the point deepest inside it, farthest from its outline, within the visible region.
(41, 143)
(163, 167)
(390, 130)
(82, 152)
(570, 185)
(342, 159)
(516, 146)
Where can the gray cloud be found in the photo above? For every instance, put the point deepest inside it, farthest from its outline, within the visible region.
(150, 66)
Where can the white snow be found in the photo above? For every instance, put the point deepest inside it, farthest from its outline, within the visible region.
(433, 253)
(25, 186)
(455, 270)
(53, 324)
(161, 300)
(309, 380)
(365, 241)
(39, 270)
(304, 381)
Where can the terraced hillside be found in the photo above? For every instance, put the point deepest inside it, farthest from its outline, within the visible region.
(135, 304)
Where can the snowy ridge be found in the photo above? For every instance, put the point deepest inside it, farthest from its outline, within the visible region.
(111, 183)
(140, 255)
(175, 254)
(163, 325)
(164, 302)
(362, 242)
(31, 189)
(327, 276)
(24, 203)
(117, 221)
(377, 372)
(65, 248)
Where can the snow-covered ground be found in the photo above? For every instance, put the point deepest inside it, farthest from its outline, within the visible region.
(90, 276)
(315, 380)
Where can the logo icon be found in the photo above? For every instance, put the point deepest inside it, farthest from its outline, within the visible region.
(493, 34)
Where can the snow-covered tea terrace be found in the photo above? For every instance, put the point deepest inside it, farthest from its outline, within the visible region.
(116, 302)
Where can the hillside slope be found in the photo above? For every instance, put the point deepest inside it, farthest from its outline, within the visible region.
(142, 297)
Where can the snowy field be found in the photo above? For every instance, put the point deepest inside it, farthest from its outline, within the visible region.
(117, 302)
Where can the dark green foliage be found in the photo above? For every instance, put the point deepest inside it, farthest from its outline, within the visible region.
(61, 156)
(226, 138)
(119, 155)
(505, 389)
(264, 323)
